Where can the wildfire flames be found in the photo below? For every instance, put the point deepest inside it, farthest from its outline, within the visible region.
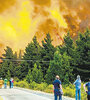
(20, 20)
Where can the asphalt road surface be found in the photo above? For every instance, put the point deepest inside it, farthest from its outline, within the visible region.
(26, 94)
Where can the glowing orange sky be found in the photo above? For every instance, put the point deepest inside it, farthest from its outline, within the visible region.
(20, 20)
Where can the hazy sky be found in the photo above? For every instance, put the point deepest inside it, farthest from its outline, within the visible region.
(20, 20)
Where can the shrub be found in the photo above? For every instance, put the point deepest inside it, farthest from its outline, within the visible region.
(49, 89)
(32, 85)
(22, 84)
(37, 86)
(16, 79)
(69, 90)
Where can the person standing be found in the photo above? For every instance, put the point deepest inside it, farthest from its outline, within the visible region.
(5, 83)
(1, 82)
(10, 83)
(87, 91)
(77, 84)
(57, 88)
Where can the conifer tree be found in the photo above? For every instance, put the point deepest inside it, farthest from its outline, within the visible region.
(32, 53)
(8, 62)
(37, 74)
(8, 53)
(47, 52)
(29, 77)
(59, 66)
(8, 75)
(82, 57)
(4, 69)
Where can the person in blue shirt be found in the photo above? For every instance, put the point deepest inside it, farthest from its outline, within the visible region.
(87, 91)
(57, 88)
(77, 84)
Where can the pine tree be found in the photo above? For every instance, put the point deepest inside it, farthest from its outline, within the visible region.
(18, 73)
(8, 75)
(15, 56)
(11, 69)
(47, 52)
(8, 62)
(59, 66)
(82, 57)
(68, 46)
(8, 53)
(22, 70)
(29, 77)
(32, 53)
(4, 69)
(37, 74)
(20, 55)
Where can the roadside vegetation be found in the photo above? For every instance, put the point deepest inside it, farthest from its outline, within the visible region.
(69, 90)
(39, 64)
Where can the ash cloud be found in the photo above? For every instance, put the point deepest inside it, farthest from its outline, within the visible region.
(5, 4)
(38, 17)
(50, 26)
(42, 2)
(1, 48)
(77, 14)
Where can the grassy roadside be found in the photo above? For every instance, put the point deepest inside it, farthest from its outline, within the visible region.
(69, 90)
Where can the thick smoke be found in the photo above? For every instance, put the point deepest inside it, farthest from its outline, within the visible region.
(20, 20)
(1, 48)
(77, 14)
(5, 4)
(42, 2)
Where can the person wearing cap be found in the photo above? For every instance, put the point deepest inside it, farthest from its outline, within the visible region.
(1, 82)
(57, 88)
(87, 91)
(77, 84)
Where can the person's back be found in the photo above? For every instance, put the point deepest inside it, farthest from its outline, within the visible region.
(57, 88)
(88, 86)
(10, 82)
(87, 91)
(5, 83)
(56, 84)
(77, 84)
(78, 88)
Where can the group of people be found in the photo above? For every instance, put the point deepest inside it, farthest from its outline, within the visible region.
(59, 92)
(5, 82)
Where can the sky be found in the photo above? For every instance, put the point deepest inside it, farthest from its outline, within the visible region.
(21, 20)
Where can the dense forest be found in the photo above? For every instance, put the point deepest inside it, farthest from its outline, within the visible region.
(41, 63)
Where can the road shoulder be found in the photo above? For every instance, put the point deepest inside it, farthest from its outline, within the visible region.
(49, 95)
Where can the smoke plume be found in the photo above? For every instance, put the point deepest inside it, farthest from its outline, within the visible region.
(20, 20)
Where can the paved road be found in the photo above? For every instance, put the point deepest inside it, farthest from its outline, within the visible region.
(26, 94)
